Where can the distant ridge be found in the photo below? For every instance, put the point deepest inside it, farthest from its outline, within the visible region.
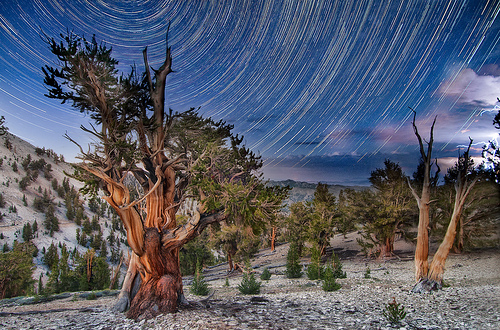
(304, 191)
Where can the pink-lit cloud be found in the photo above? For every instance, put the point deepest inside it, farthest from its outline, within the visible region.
(472, 88)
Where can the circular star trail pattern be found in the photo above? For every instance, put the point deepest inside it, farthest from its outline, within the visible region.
(316, 87)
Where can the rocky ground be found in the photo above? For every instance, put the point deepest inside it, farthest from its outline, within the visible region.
(470, 300)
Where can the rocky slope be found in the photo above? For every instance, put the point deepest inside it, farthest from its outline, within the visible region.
(471, 300)
(19, 209)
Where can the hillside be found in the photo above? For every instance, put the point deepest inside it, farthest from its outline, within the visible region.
(304, 191)
(40, 176)
(470, 300)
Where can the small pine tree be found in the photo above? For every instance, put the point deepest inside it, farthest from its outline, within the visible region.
(266, 274)
(293, 269)
(329, 282)
(394, 312)
(249, 285)
(367, 273)
(315, 270)
(27, 232)
(199, 286)
(337, 267)
(40, 285)
(51, 257)
(51, 222)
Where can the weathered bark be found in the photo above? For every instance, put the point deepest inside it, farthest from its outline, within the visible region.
(273, 239)
(230, 262)
(460, 238)
(422, 247)
(161, 288)
(123, 301)
(462, 190)
(423, 202)
(463, 187)
(159, 291)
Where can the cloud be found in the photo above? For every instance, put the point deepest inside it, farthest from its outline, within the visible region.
(473, 89)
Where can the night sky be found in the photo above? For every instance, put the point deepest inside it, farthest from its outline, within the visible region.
(320, 89)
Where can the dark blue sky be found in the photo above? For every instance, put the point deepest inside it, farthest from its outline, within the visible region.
(320, 89)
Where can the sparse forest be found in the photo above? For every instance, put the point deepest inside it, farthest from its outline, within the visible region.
(183, 195)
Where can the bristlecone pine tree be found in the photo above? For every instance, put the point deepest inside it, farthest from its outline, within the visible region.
(423, 202)
(171, 155)
(431, 277)
(466, 178)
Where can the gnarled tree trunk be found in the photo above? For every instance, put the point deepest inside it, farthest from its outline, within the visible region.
(434, 277)
(462, 190)
(423, 202)
(273, 238)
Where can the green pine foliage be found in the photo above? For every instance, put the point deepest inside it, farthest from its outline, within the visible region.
(315, 271)
(394, 312)
(249, 285)
(51, 222)
(293, 268)
(193, 251)
(16, 270)
(51, 256)
(367, 273)
(337, 267)
(27, 232)
(199, 286)
(329, 281)
(266, 274)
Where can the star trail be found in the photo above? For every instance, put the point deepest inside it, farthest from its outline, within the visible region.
(321, 89)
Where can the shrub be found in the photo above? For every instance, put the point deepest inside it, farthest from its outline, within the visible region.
(329, 282)
(249, 285)
(293, 269)
(91, 296)
(394, 312)
(337, 267)
(266, 275)
(7, 143)
(367, 273)
(199, 287)
(315, 270)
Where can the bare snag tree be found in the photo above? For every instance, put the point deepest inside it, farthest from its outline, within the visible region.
(170, 155)
(423, 202)
(466, 178)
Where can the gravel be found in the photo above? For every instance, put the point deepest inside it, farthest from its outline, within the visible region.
(470, 300)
